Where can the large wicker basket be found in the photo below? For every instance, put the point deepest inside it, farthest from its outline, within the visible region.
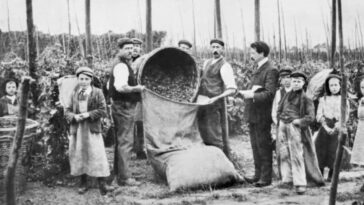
(7, 132)
(171, 73)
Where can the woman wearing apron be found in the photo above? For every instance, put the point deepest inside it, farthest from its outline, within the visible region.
(86, 146)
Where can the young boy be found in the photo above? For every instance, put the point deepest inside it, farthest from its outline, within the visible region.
(285, 82)
(9, 102)
(295, 113)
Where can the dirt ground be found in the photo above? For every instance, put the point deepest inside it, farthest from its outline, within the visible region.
(154, 191)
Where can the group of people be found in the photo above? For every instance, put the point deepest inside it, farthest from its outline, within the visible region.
(274, 96)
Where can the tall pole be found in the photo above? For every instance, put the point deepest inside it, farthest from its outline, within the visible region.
(257, 20)
(279, 33)
(88, 35)
(32, 51)
(194, 28)
(224, 116)
(333, 34)
(149, 26)
(218, 19)
(69, 29)
(342, 137)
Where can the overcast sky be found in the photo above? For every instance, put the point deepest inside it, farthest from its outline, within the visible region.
(175, 17)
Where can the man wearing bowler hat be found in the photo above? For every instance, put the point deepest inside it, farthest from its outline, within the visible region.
(125, 93)
(217, 82)
(259, 98)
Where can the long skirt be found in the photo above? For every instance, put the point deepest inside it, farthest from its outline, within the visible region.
(87, 153)
(357, 156)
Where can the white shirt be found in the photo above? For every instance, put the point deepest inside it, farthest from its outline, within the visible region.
(226, 73)
(275, 104)
(261, 62)
(121, 75)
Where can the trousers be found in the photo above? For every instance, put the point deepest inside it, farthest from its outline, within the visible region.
(290, 149)
(123, 115)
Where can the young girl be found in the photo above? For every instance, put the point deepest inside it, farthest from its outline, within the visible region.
(328, 115)
(357, 156)
(86, 147)
(9, 102)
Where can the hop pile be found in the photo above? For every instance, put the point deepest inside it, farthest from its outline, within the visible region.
(175, 84)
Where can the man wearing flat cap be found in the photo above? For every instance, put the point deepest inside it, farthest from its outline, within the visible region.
(217, 82)
(185, 45)
(137, 50)
(125, 93)
(258, 109)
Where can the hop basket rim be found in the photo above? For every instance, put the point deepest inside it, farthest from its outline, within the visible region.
(33, 124)
(149, 56)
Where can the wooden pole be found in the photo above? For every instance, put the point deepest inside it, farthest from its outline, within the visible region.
(257, 20)
(194, 28)
(279, 33)
(224, 117)
(68, 54)
(149, 26)
(32, 51)
(88, 34)
(342, 136)
(333, 34)
(218, 19)
(17, 142)
(284, 34)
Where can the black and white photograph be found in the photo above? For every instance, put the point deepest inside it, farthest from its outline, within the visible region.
(181, 102)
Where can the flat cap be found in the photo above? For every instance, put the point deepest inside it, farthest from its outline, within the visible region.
(124, 41)
(298, 74)
(284, 72)
(137, 41)
(189, 44)
(85, 70)
(217, 40)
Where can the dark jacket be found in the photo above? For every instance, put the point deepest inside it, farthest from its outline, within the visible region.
(96, 107)
(307, 115)
(259, 109)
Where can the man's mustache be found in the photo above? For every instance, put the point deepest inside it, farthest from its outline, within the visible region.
(215, 53)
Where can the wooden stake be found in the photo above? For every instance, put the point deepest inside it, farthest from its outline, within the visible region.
(342, 136)
(257, 20)
(333, 34)
(17, 142)
(149, 26)
(88, 34)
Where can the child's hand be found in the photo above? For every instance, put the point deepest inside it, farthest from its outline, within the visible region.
(85, 115)
(296, 122)
(78, 118)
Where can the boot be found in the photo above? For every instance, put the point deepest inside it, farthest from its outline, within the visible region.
(83, 184)
(104, 188)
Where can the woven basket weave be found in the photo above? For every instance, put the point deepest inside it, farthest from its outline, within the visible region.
(7, 132)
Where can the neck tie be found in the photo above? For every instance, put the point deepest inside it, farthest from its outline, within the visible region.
(82, 95)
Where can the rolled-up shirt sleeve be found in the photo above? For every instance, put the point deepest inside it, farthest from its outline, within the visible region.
(227, 76)
(121, 75)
